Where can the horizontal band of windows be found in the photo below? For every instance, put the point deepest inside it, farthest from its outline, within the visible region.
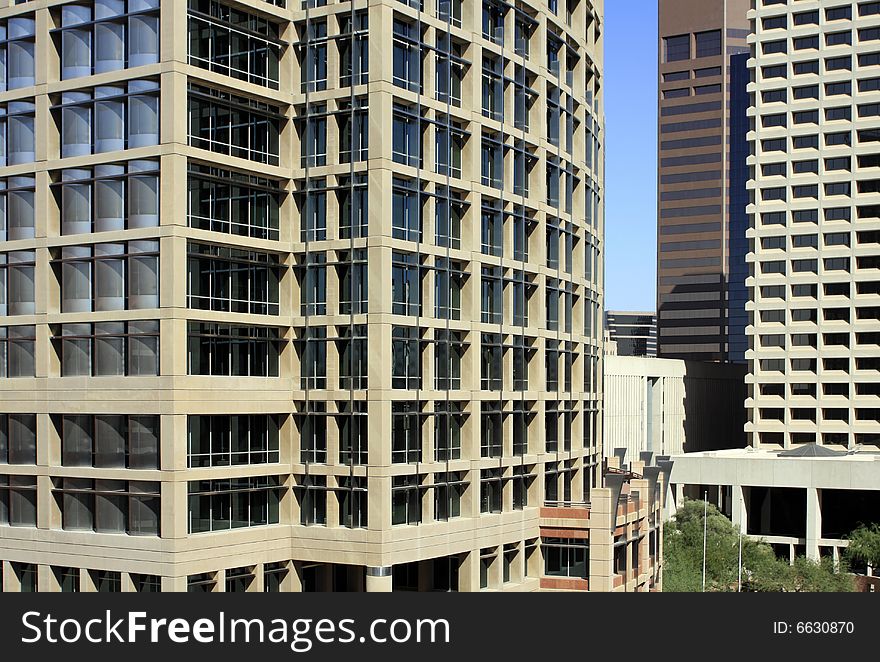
(691, 262)
(691, 279)
(690, 143)
(695, 194)
(690, 177)
(691, 331)
(699, 245)
(686, 109)
(691, 159)
(681, 212)
(689, 349)
(690, 296)
(695, 125)
(688, 228)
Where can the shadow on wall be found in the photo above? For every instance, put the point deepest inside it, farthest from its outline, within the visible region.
(714, 406)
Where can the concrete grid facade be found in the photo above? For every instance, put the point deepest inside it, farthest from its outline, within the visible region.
(815, 251)
(293, 306)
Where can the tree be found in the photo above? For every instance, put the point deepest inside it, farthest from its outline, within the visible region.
(864, 545)
(762, 570)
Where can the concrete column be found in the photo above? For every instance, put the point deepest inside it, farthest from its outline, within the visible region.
(379, 579)
(814, 523)
(739, 514)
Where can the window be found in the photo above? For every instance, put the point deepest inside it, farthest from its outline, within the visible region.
(109, 506)
(17, 215)
(313, 284)
(406, 136)
(352, 271)
(110, 276)
(17, 351)
(221, 505)
(313, 56)
(313, 136)
(312, 426)
(232, 440)
(406, 500)
(406, 433)
(233, 125)
(311, 347)
(17, 59)
(115, 37)
(109, 348)
(677, 48)
(354, 131)
(406, 358)
(109, 197)
(110, 441)
(225, 201)
(448, 422)
(448, 282)
(352, 197)
(352, 496)
(491, 491)
(406, 210)
(354, 49)
(565, 557)
(491, 228)
(492, 161)
(492, 295)
(109, 118)
(312, 200)
(449, 208)
(406, 287)
(449, 70)
(448, 490)
(234, 43)
(406, 56)
(17, 137)
(232, 280)
(448, 352)
(449, 143)
(708, 43)
(18, 500)
(491, 362)
(231, 350)
(17, 283)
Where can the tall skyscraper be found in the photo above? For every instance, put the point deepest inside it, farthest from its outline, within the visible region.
(296, 295)
(701, 179)
(815, 332)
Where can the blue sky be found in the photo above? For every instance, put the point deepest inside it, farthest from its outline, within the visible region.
(631, 154)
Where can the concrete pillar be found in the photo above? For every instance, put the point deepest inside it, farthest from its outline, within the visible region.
(814, 523)
(379, 579)
(739, 514)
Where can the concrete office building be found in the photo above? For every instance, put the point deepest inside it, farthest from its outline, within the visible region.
(297, 296)
(670, 406)
(812, 472)
(702, 174)
(634, 333)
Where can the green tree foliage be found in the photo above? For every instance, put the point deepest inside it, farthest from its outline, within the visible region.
(762, 571)
(864, 545)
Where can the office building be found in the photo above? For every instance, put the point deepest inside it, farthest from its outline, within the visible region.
(811, 473)
(634, 333)
(671, 406)
(702, 173)
(297, 296)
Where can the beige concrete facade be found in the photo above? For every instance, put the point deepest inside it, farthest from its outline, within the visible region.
(304, 286)
(670, 406)
(814, 256)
